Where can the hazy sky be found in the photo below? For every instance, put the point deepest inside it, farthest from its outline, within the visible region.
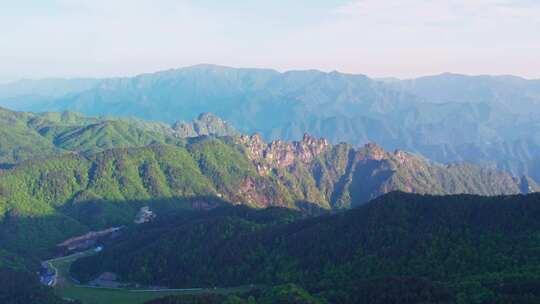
(403, 38)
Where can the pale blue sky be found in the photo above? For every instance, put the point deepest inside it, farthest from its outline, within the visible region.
(403, 38)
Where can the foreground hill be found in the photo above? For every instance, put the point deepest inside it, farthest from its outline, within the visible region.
(20, 287)
(484, 119)
(399, 248)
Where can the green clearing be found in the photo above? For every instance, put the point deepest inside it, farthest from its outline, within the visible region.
(119, 296)
(65, 288)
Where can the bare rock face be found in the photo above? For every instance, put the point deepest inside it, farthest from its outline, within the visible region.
(402, 157)
(281, 154)
(251, 191)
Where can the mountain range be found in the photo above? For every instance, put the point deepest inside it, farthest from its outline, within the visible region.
(489, 120)
(73, 173)
(260, 201)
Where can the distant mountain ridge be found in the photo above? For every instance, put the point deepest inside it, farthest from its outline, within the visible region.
(490, 120)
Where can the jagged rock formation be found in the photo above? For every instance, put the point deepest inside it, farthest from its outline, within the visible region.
(280, 154)
(205, 124)
(340, 176)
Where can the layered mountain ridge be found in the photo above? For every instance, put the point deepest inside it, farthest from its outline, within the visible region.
(85, 173)
(488, 120)
(65, 174)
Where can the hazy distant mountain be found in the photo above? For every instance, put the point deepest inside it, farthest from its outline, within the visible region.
(28, 94)
(491, 120)
(515, 93)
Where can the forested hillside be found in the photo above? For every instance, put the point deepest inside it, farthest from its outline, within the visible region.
(17, 287)
(434, 249)
(26, 135)
(42, 202)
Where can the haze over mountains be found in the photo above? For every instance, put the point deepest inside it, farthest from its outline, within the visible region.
(255, 199)
(490, 120)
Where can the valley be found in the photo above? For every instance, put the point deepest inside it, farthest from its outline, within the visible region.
(66, 288)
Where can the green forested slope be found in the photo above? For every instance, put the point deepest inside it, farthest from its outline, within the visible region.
(43, 201)
(26, 135)
(18, 287)
(18, 141)
(461, 248)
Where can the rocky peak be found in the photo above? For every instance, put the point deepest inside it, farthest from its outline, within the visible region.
(402, 157)
(205, 124)
(255, 146)
(371, 151)
(208, 118)
(280, 154)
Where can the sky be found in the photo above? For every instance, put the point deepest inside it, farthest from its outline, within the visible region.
(379, 38)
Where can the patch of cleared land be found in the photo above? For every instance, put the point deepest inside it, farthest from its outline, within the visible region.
(66, 288)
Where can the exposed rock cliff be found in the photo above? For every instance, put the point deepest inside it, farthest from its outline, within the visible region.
(340, 176)
(281, 154)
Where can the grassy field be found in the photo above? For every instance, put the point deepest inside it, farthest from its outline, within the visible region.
(118, 296)
(65, 288)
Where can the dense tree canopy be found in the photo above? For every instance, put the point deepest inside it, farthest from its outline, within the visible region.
(437, 247)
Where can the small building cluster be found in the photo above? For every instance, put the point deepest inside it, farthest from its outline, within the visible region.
(145, 215)
(47, 276)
